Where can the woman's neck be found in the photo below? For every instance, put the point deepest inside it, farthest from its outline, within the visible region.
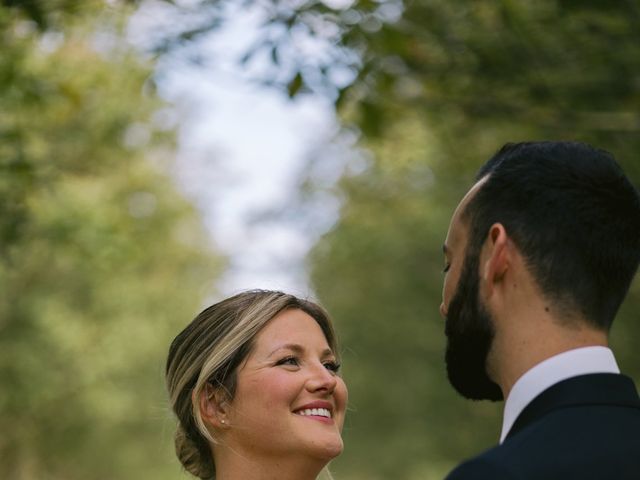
(233, 466)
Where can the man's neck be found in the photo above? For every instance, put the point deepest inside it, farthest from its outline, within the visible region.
(517, 350)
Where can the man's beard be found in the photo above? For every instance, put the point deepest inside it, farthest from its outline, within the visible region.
(470, 333)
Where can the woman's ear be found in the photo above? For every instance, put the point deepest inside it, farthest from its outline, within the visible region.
(214, 406)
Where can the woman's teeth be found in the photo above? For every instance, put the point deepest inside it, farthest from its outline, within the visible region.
(316, 412)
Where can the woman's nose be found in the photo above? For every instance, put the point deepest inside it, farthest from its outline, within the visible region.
(321, 379)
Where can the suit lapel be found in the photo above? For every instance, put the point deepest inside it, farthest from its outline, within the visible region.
(592, 389)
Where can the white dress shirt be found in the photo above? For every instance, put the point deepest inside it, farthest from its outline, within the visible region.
(565, 365)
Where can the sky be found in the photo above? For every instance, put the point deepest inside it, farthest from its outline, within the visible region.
(243, 148)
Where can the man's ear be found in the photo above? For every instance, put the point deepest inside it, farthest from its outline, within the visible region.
(496, 257)
(214, 406)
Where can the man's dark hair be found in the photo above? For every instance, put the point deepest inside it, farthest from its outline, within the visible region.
(574, 216)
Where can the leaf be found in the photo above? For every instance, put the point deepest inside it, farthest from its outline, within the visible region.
(295, 85)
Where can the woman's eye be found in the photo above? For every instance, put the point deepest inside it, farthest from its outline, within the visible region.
(293, 361)
(332, 366)
(446, 268)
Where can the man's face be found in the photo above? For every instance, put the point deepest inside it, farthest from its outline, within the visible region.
(468, 327)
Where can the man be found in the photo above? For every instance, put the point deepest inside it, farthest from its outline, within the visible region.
(539, 255)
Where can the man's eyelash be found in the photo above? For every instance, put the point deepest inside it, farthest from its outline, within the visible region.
(446, 268)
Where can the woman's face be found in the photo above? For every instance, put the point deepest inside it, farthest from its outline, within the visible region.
(289, 398)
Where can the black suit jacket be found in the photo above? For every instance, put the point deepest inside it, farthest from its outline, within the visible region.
(586, 427)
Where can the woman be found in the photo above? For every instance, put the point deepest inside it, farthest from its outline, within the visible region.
(254, 383)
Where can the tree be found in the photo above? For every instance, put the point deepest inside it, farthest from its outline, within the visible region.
(102, 259)
(434, 88)
(437, 92)
(437, 87)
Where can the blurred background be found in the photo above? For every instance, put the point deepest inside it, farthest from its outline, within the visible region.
(156, 156)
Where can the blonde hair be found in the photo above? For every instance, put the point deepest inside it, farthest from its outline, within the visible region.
(209, 351)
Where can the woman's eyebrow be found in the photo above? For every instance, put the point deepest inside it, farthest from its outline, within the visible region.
(299, 349)
(327, 353)
(288, 346)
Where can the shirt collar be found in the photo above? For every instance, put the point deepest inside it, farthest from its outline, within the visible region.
(565, 365)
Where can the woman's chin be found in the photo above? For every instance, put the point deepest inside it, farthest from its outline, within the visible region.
(329, 449)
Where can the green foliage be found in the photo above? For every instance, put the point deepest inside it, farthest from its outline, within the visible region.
(97, 270)
(47, 14)
(101, 260)
(437, 87)
(437, 92)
